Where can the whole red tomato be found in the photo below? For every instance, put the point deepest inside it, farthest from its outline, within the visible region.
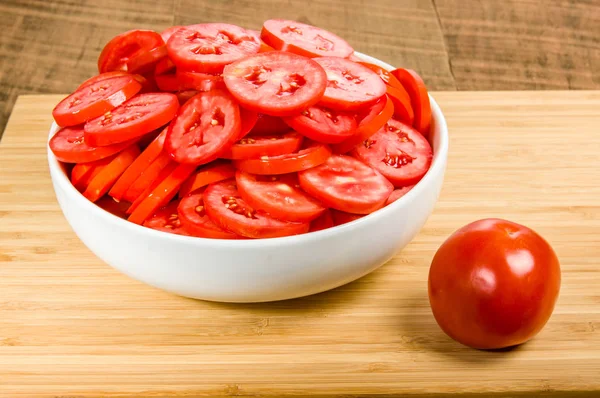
(493, 284)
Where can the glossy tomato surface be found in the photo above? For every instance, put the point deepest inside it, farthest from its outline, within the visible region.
(493, 284)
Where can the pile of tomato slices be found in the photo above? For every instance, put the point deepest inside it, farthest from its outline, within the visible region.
(217, 131)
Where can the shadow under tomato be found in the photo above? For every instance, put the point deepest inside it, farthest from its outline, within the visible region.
(421, 332)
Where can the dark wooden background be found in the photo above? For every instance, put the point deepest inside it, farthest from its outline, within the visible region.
(49, 46)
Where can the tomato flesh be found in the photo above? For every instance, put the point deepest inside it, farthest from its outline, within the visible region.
(403, 110)
(228, 210)
(304, 159)
(254, 147)
(206, 175)
(280, 196)
(303, 39)
(192, 214)
(269, 125)
(350, 86)
(322, 222)
(493, 284)
(132, 119)
(398, 193)
(145, 61)
(346, 184)
(198, 81)
(167, 220)
(341, 217)
(209, 47)
(205, 125)
(94, 100)
(323, 125)
(145, 180)
(397, 151)
(276, 83)
(123, 47)
(419, 97)
(68, 146)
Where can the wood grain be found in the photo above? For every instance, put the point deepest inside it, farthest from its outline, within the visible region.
(72, 326)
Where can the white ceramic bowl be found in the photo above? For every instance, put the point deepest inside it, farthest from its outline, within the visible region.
(256, 270)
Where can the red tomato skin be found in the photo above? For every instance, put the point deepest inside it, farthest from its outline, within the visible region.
(493, 284)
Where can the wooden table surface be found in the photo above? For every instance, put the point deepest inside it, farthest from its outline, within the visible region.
(49, 46)
(71, 326)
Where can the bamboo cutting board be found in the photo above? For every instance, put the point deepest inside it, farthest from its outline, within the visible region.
(71, 326)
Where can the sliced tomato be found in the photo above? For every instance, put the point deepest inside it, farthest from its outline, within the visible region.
(167, 220)
(419, 97)
(385, 75)
(341, 217)
(350, 86)
(214, 172)
(145, 61)
(184, 96)
(397, 151)
(192, 214)
(160, 177)
(138, 167)
(323, 125)
(228, 210)
(276, 83)
(69, 146)
(280, 196)
(94, 100)
(402, 107)
(199, 81)
(167, 33)
(324, 221)
(346, 184)
(398, 193)
(304, 159)
(121, 48)
(303, 39)
(83, 173)
(162, 194)
(112, 206)
(369, 124)
(269, 125)
(209, 47)
(105, 179)
(264, 47)
(147, 177)
(148, 138)
(134, 118)
(167, 83)
(205, 125)
(248, 120)
(108, 75)
(254, 147)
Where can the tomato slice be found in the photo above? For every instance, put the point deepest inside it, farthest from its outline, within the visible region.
(397, 151)
(229, 211)
(269, 125)
(205, 125)
(160, 177)
(162, 194)
(280, 196)
(167, 33)
(198, 81)
(304, 159)
(346, 184)
(167, 220)
(323, 125)
(132, 119)
(192, 214)
(303, 39)
(112, 206)
(184, 96)
(385, 75)
(102, 182)
(69, 146)
(276, 83)
(214, 172)
(146, 178)
(398, 193)
(164, 67)
(341, 217)
(248, 120)
(264, 47)
(402, 107)
(167, 83)
(145, 61)
(83, 173)
(369, 124)
(253, 147)
(121, 48)
(350, 86)
(138, 167)
(419, 97)
(324, 221)
(94, 100)
(108, 75)
(209, 47)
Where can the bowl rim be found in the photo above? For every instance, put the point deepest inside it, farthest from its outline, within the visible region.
(437, 166)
